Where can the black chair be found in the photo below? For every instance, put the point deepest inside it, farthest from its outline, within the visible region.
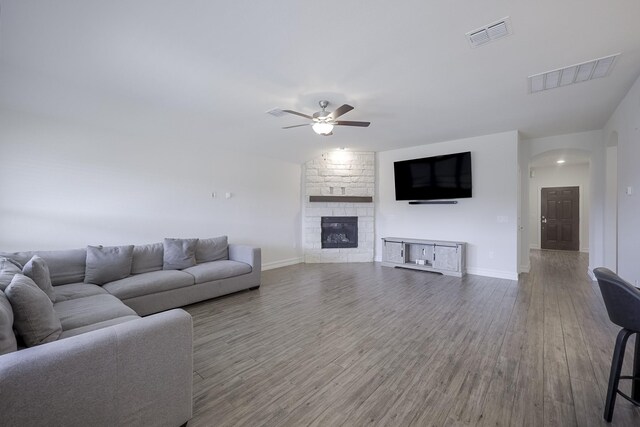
(623, 305)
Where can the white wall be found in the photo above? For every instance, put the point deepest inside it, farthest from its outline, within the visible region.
(63, 187)
(559, 176)
(611, 208)
(625, 121)
(492, 244)
(523, 204)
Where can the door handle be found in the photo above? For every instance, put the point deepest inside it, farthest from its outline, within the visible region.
(544, 220)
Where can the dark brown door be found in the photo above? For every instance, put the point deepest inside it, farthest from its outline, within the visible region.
(560, 218)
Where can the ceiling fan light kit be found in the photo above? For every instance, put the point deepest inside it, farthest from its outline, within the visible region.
(324, 121)
(322, 128)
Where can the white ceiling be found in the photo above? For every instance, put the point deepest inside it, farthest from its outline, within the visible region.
(205, 72)
(570, 157)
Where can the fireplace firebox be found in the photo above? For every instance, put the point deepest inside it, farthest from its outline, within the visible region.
(339, 232)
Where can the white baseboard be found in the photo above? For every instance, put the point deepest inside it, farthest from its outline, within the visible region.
(533, 246)
(282, 263)
(525, 268)
(498, 274)
(591, 275)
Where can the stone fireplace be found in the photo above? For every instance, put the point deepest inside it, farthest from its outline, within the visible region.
(339, 188)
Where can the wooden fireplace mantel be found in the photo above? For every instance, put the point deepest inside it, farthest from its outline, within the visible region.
(341, 199)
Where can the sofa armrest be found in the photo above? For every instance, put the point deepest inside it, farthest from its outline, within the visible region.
(248, 254)
(135, 373)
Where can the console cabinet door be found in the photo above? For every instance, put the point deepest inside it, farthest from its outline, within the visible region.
(446, 258)
(394, 252)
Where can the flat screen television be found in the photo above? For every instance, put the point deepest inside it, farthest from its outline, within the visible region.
(434, 178)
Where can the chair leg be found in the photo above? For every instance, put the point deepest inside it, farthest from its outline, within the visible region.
(614, 376)
(635, 383)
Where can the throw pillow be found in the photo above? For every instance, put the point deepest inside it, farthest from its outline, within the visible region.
(179, 253)
(147, 258)
(34, 318)
(107, 263)
(8, 269)
(213, 249)
(8, 342)
(38, 271)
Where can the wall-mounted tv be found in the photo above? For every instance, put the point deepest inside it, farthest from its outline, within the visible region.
(434, 178)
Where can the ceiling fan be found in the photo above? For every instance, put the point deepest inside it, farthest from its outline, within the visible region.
(324, 121)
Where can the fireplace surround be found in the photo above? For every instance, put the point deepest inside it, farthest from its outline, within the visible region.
(340, 183)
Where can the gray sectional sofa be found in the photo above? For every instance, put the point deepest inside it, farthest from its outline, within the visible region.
(74, 347)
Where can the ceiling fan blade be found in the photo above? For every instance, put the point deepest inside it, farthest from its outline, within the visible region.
(296, 126)
(345, 108)
(298, 114)
(348, 123)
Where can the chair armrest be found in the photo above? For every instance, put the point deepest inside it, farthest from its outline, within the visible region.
(135, 373)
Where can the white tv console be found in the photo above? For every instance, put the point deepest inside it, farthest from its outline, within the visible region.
(429, 255)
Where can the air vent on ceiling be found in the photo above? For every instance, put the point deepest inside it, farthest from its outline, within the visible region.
(489, 32)
(276, 112)
(577, 73)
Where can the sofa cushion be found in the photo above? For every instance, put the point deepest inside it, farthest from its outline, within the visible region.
(38, 271)
(147, 258)
(179, 253)
(8, 342)
(108, 263)
(149, 283)
(212, 249)
(66, 266)
(217, 270)
(8, 269)
(85, 311)
(77, 290)
(96, 326)
(13, 261)
(34, 317)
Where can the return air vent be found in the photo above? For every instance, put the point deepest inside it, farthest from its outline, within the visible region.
(577, 73)
(489, 32)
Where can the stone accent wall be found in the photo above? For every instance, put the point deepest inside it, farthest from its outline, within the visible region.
(339, 173)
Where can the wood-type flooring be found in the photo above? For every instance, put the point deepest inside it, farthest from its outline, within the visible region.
(360, 344)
